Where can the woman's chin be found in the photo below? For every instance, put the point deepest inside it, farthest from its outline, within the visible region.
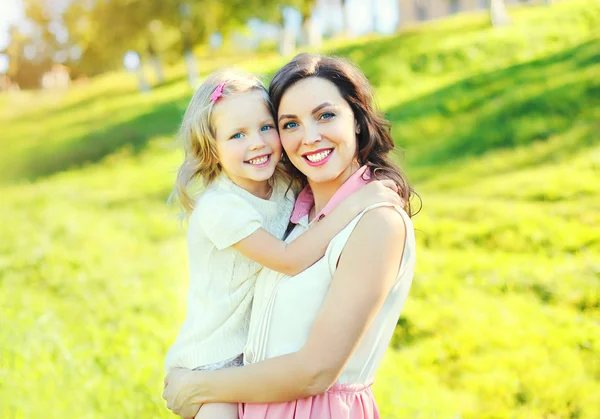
(322, 176)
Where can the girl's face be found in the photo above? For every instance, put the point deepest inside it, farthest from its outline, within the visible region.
(248, 145)
(318, 130)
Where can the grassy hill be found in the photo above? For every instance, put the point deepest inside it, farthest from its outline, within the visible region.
(499, 129)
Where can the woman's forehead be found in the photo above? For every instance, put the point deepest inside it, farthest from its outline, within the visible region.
(307, 93)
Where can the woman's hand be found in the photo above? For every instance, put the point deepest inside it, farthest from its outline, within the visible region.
(179, 392)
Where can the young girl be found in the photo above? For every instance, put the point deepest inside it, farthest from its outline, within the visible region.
(237, 223)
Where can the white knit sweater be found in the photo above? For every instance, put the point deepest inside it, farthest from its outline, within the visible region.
(222, 281)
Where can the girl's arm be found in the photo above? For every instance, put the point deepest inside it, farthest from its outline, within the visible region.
(357, 292)
(293, 258)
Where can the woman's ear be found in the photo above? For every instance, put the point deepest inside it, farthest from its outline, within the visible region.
(357, 127)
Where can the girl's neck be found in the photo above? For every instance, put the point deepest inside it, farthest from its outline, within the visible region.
(260, 189)
(324, 191)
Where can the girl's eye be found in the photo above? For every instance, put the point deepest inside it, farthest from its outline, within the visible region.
(236, 136)
(290, 125)
(327, 115)
(266, 127)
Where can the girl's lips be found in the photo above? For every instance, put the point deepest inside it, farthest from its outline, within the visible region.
(265, 163)
(320, 162)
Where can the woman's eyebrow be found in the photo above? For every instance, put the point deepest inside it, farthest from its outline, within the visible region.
(321, 106)
(314, 111)
(286, 116)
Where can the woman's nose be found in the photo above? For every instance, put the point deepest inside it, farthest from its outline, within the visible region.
(311, 135)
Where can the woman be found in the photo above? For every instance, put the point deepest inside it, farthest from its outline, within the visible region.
(316, 339)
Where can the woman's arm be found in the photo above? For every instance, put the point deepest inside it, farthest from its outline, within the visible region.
(357, 292)
(292, 258)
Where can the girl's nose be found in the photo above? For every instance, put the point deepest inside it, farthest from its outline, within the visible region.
(256, 142)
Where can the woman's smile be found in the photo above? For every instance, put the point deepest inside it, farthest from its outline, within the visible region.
(318, 157)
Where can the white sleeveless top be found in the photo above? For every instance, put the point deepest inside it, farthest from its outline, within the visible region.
(285, 307)
(221, 286)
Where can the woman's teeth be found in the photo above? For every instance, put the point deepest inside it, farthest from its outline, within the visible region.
(259, 160)
(315, 158)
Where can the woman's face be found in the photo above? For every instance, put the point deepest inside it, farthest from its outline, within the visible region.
(317, 129)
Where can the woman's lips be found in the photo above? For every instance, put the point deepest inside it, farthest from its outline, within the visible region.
(318, 157)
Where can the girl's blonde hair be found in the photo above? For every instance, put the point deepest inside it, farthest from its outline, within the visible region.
(197, 132)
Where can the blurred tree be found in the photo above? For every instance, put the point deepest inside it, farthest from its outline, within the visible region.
(25, 66)
(32, 52)
(311, 33)
(105, 30)
(102, 31)
(305, 8)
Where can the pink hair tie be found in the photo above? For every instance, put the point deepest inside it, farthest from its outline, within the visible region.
(218, 92)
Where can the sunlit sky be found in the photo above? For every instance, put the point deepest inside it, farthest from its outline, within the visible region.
(359, 11)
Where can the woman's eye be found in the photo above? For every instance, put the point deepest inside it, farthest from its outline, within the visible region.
(236, 136)
(290, 125)
(266, 127)
(327, 115)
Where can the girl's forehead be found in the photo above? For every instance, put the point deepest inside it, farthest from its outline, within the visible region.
(241, 103)
(243, 109)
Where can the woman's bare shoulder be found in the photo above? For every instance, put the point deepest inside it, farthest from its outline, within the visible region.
(378, 228)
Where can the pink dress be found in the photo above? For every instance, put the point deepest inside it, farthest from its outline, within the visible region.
(347, 401)
(285, 309)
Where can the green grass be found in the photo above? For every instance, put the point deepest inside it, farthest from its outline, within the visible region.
(500, 136)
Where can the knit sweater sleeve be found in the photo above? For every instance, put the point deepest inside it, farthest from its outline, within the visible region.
(227, 218)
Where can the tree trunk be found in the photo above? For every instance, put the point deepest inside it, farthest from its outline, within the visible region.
(374, 5)
(422, 10)
(287, 44)
(156, 64)
(191, 67)
(498, 13)
(142, 83)
(347, 30)
(289, 39)
(312, 35)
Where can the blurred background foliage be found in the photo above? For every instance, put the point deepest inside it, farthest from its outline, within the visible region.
(498, 128)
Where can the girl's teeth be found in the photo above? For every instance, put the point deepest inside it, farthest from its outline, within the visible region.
(259, 160)
(314, 158)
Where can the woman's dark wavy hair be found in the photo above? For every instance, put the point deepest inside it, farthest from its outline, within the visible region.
(374, 141)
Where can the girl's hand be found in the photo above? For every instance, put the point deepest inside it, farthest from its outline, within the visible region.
(375, 192)
(179, 392)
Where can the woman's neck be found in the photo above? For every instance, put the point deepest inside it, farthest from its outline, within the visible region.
(324, 191)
